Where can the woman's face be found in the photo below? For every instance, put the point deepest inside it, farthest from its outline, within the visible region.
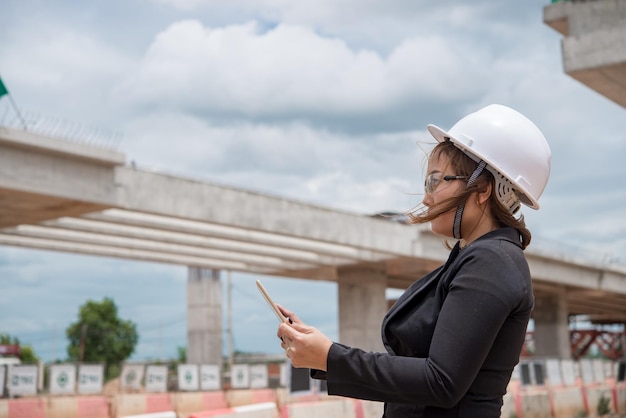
(438, 167)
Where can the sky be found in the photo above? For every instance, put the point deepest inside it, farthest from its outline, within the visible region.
(322, 101)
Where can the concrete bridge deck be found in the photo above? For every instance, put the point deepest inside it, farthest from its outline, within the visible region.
(62, 196)
(593, 44)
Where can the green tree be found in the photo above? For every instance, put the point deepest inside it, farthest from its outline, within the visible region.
(100, 336)
(27, 354)
(182, 354)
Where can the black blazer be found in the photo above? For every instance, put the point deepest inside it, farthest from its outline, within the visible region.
(452, 339)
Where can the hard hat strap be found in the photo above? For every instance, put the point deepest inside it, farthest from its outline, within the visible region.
(458, 216)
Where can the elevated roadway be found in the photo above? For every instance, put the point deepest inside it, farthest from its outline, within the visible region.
(62, 196)
(593, 44)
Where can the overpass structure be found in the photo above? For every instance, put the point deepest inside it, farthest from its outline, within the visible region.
(594, 43)
(63, 196)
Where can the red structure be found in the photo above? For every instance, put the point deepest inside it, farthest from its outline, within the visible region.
(10, 350)
(611, 344)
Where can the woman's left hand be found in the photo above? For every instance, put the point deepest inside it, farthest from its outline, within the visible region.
(304, 345)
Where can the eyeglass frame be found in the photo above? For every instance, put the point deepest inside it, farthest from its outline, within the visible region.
(430, 186)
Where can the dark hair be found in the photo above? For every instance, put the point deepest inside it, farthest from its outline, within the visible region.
(464, 166)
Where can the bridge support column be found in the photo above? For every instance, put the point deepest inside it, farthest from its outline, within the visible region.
(362, 306)
(552, 337)
(204, 316)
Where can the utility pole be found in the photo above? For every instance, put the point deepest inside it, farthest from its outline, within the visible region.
(81, 349)
(54, 343)
(160, 340)
(230, 321)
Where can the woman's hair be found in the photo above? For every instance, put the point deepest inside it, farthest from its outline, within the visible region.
(463, 165)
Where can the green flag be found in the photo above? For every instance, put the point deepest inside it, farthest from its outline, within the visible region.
(3, 89)
(5, 92)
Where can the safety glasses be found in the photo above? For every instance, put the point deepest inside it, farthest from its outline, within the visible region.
(434, 179)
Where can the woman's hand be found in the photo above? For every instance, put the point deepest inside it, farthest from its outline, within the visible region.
(305, 346)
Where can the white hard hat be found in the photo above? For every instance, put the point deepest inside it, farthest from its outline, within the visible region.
(515, 150)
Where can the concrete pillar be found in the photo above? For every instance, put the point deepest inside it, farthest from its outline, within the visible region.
(362, 306)
(552, 336)
(204, 316)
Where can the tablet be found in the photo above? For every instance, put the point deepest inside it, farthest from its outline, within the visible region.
(270, 302)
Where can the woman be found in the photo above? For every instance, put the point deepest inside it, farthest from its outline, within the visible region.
(454, 336)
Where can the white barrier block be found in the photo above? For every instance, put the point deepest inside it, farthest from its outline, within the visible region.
(167, 414)
(264, 406)
(259, 410)
(345, 408)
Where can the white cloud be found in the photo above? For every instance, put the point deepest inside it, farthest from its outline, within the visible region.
(291, 71)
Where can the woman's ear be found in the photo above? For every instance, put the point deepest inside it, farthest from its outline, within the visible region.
(482, 196)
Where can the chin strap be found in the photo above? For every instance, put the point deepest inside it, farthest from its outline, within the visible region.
(458, 216)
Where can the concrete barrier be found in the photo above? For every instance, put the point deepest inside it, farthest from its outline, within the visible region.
(167, 414)
(520, 401)
(508, 406)
(566, 401)
(239, 397)
(261, 410)
(535, 403)
(620, 398)
(593, 395)
(130, 404)
(56, 407)
(27, 407)
(285, 397)
(125, 404)
(512, 402)
(372, 409)
(92, 407)
(339, 408)
(159, 403)
(186, 403)
(4, 408)
(62, 407)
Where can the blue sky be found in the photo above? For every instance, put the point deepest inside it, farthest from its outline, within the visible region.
(323, 101)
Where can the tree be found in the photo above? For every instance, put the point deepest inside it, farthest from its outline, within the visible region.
(27, 354)
(99, 336)
(182, 354)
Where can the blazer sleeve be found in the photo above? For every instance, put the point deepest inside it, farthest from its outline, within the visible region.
(481, 295)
